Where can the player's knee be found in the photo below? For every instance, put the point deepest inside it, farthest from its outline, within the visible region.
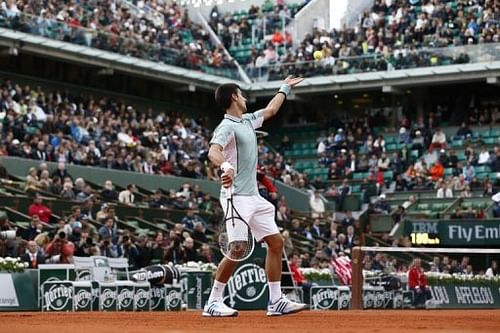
(276, 243)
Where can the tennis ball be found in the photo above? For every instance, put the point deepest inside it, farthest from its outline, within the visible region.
(318, 55)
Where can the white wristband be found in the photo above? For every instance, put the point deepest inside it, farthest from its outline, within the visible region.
(226, 166)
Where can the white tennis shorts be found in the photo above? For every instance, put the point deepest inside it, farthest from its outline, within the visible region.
(257, 212)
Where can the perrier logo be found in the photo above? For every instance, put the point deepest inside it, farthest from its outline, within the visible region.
(247, 284)
(58, 297)
(108, 297)
(82, 299)
(141, 297)
(324, 298)
(173, 299)
(125, 298)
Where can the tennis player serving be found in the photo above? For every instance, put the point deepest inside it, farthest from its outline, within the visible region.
(234, 148)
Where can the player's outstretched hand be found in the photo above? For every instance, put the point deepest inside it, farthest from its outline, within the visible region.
(293, 81)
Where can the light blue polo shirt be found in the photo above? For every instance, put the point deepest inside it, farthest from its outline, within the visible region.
(239, 146)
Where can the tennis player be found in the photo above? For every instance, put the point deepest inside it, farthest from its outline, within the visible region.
(234, 148)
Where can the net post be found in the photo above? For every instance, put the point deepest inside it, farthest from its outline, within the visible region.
(357, 279)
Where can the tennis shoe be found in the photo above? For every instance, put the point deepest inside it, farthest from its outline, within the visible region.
(284, 306)
(218, 309)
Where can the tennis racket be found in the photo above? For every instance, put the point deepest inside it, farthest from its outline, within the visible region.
(236, 240)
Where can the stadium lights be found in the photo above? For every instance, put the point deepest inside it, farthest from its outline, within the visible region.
(391, 90)
(492, 80)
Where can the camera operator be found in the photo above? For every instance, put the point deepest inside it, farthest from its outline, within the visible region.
(144, 248)
(175, 251)
(129, 250)
(86, 246)
(109, 249)
(34, 229)
(60, 250)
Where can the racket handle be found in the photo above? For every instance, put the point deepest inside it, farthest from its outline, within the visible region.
(229, 191)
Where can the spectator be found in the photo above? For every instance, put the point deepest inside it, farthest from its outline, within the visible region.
(191, 218)
(60, 250)
(351, 238)
(206, 254)
(67, 191)
(108, 230)
(85, 194)
(144, 248)
(88, 228)
(199, 234)
(444, 191)
(108, 193)
(190, 253)
(32, 256)
(463, 132)
(129, 250)
(348, 220)
(61, 171)
(317, 205)
(417, 282)
(316, 228)
(496, 208)
(469, 172)
(493, 271)
(484, 157)
(38, 208)
(103, 213)
(127, 196)
(34, 229)
(297, 276)
(381, 206)
(158, 201)
(437, 171)
(109, 249)
(438, 140)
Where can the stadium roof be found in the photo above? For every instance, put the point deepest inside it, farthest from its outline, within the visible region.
(158, 71)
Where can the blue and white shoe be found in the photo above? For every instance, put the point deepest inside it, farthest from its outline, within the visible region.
(284, 306)
(218, 309)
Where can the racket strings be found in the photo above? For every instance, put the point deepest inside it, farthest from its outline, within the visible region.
(238, 250)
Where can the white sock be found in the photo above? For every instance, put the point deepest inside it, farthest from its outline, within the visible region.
(274, 290)
(217, 291)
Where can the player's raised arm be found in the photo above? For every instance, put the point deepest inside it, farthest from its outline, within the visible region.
(275, 104)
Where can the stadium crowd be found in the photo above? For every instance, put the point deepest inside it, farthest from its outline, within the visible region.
(93, 227)
(391, 34)
(163, 33)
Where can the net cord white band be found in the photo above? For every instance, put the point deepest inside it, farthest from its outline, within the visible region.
(430, 250)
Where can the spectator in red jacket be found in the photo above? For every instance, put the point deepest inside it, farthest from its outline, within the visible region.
(38, 208)
(297, 276)
(266, 186)
(418, 283)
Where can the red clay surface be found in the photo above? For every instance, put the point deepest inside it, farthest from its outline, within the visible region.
(462, 321)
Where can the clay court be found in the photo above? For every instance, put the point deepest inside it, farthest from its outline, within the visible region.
(463, 321)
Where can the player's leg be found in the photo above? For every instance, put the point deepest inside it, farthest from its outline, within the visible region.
(273, 265)
(215, 306)
(264, 228)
